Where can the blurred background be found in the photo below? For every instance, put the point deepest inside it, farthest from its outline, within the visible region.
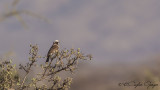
(122, 35)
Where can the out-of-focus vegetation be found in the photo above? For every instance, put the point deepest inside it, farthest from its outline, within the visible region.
(108, 77)
(13, 11)
(48, 78)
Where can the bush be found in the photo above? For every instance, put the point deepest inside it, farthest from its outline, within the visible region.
(63, 61)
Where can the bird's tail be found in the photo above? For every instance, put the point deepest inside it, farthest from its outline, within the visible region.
(47, 60)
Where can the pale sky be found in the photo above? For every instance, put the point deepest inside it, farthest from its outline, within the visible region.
(111, 30)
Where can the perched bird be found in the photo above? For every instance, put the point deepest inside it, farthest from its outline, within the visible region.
(54, 48)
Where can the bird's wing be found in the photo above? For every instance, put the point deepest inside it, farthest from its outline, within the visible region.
(53, 49)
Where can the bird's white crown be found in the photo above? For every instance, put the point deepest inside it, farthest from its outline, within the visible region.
(56, 40)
